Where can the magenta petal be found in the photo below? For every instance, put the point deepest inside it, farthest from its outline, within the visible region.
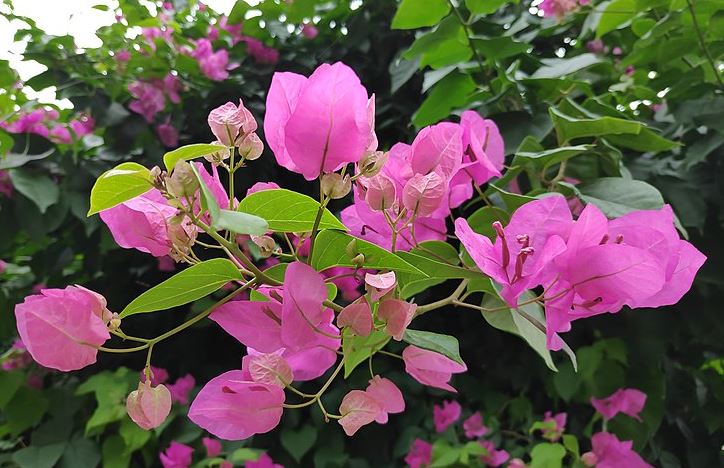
(438, 148)
(358, 317)
(280, 103)
(254, 324)
(386, 393)
(358, 408)
(302, 311)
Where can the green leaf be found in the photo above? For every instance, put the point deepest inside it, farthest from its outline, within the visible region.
(413, 14)
(82, 452)
(484, 7)
(646, 141)
(133, 436)
(24, 411)
(512, 200)
(10, 382)
(45, 456)
(616, 196)
(114, 453)
(569, 128)
(189, 152)
(616, 13)
(298, 442)
(288, 211)
(571, 444)
(38, 188)
(558, 67)
(444, 454)
(241, 223)
(436, 268)
(238, 11)
(335, 248)
(451, 92)
(110, 389)
(445, 266)
(544, 159)
(123, 182)
(12, 160)
(191, 284)
(446, 345)
(401, 70)
(445, 45)
(481, 221)
(497, 48)
(357, 349)
(547, 455)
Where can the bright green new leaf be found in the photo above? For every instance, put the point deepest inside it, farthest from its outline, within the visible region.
(569, 128)
(357, 349)
(444, 266)
(497, 48)
(485, 7)
(544, 159)
(546, 455)
(617, 12)
(335, 248)
(123, 182)
(38, 188)
(446, 345)
(288, 211)
(191, 284)
(189, 152)
(238, 11)
(413, 14)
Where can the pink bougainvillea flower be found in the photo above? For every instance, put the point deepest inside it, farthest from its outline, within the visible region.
(140, 223)
(171, 85)
(213, 446)
(166, 264)
(379, 285)
(358, 408)
(261, 53)
(346, 279)
(610, 452)
(212, 64)
(302, 310)
(596, 46)
(148, 101)
(517, 463)
(535, 235)
(389, 397)
(474, 427)
(264, 461)
(260, 186)
(431, 368)
(17, 357)
(181, 388)
(255, 324)
(557, 8)
(317, 124)
(309, 31)
(122, 56)
(159, 375)
(149, 406)
(423, 194)
(270, 369)
(82, 126)
(483, 147)
(438, 149)
(233, 408)
(60, 134)
(494, 457)
(380, 192)
(397, 315)
(168, 135)
(445, 415)
(420, 454)
(553, 425)
(231, 123)
(213, 182)
(176, 456)
(358, 317)
(61, 328)
(628, 401)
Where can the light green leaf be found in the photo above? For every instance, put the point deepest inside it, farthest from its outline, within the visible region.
(436, 268)
(123, 182)
(335, 248)
(446, 262)
(288, 211)
(484, 7)
(37, 187)
(451, 92)
(571, 444)
(114, 453)
(238, 11)
(413, 14)
(545, 455)
(446, 345)
(13, 160)
(616, 196)
(191, 284)
(189, 152)
(544, 159)
(569, 128)
(357, 349)
(616, 13)
(558, 67)
(133, 436)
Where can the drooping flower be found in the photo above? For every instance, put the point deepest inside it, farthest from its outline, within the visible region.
(60, 134)
(396, 315)
(431, 368)
(610, 452)
(231, 123)
(62, 328)
(628, 401)
(212, 64)
(483, 147)
(82, 126)
(262, 54)
(177, 455)
(269, 369)
(445, 415)
(389, 397)
(474, 427)
(213, 446)
(420, 454)
(233, 408)
(494, 457)
(378, 285)
(317, 124)
(260, 186)
(148, 406)
(181, 388)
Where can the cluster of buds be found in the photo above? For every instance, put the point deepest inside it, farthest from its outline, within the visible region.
(234, 126)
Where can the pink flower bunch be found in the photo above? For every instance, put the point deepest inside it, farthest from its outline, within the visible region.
(553, 425)
(560, 8)
(446, 415)
(420, 454)
(234, 31)
(151, 34)
(628, 401)
(44, 122)
(409, 199)
(318, 124)
(62, 328)
(214, 65)
(610, 452)
(260, 52)
(149, 96)
(309, 31)
(589, 266)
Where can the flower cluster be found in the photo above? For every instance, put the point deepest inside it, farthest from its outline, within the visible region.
(44, 122)
(589, 266)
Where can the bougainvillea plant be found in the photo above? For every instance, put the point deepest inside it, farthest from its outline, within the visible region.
(281, 258)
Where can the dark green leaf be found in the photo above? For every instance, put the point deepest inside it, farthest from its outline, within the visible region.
(452, 92)
(616, 13)
(446, 345)
(298, 442)
(616, 196)
(555, 68)
(39, 188)
(45, 456)
(569, 128)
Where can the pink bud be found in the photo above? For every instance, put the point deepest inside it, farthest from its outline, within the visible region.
(270, 369)
(423, 193)
(251, 147)
(398, 315)
(381, 192)
(149, 406)
(589, 459)
(358, 317)
(229, 122)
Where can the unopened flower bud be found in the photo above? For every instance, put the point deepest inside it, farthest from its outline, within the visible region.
(351, 248)
(181, 240)
(158, 178)
(149, 406)
(265, 243)
(589, 459)
(381, 192)
(372, 163)
(115, 322)
(359, 260)
(183, 182)
(217, 157)
(335, 186)
(251, 147)
(424, 193)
